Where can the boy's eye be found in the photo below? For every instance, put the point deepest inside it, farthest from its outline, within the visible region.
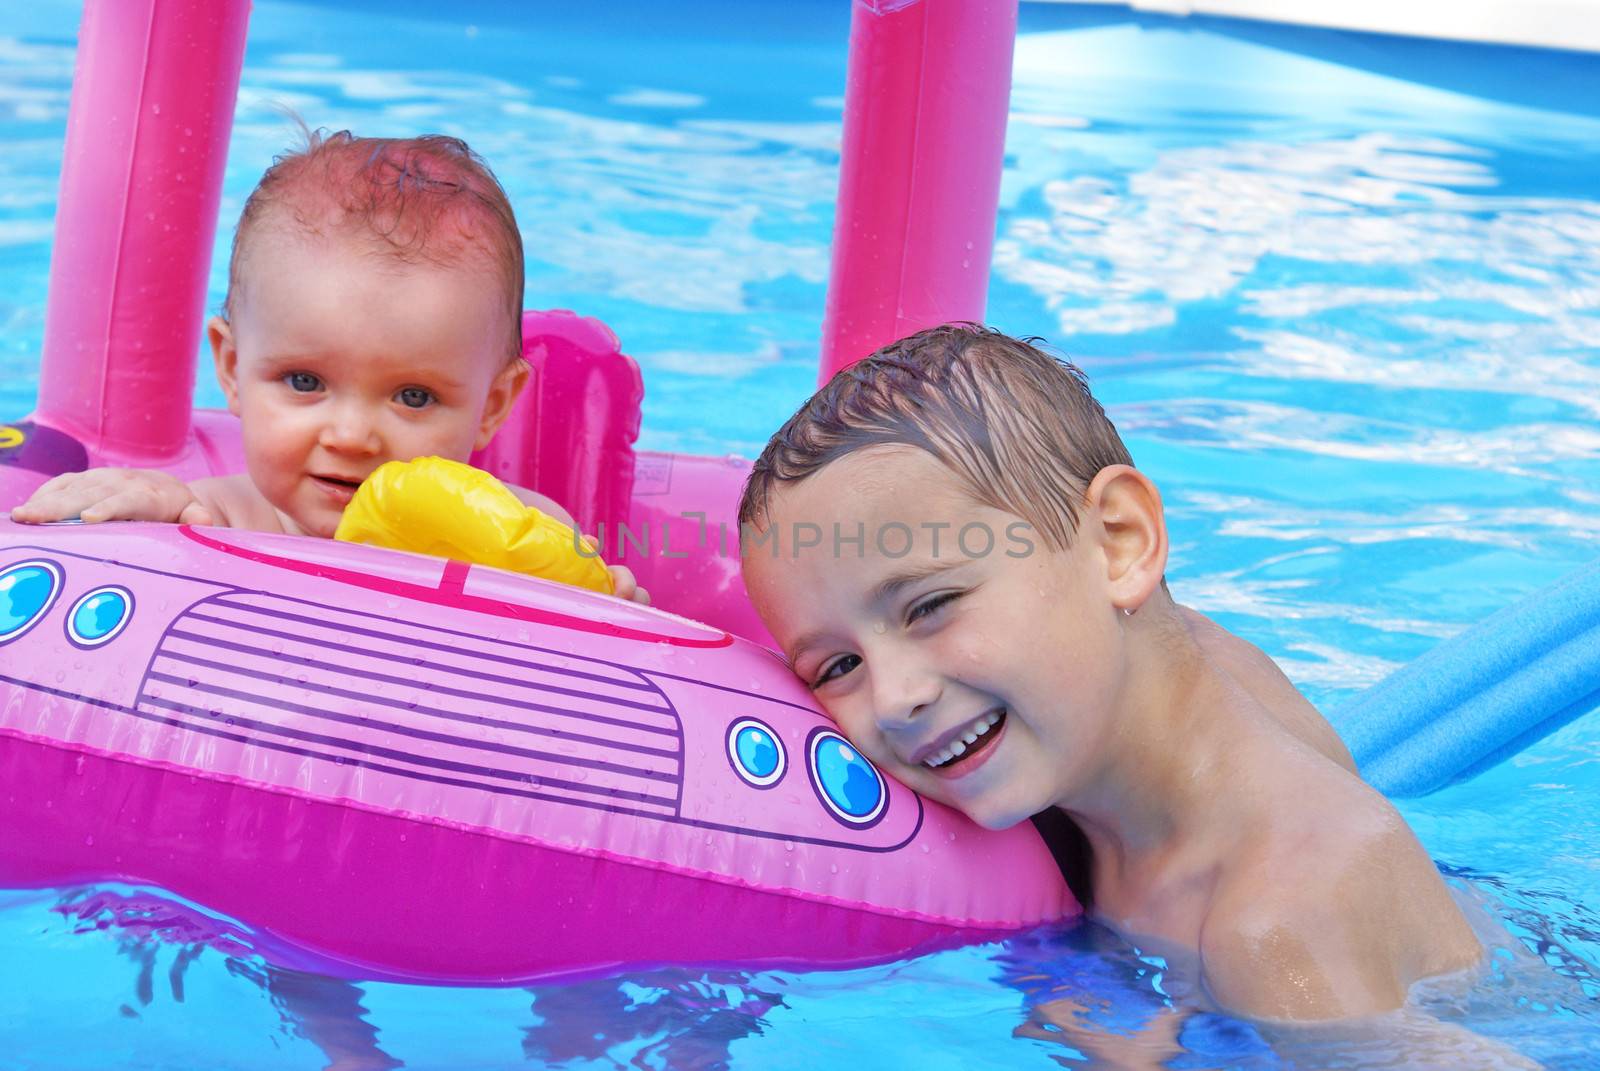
(414, 397)
(837, 668)
(931, 604)
(303, 382)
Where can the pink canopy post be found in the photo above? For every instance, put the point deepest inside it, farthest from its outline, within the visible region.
(928, 90)
(141, 180)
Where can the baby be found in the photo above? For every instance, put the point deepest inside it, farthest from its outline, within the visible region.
(955, 552)
(374, 313)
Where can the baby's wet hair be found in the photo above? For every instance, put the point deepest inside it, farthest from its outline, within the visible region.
(1015, 424)
(427, 199)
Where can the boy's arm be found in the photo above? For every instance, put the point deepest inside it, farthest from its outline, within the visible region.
(1149, 1047)
(1341, 930)
(110, 494)
(1264, 963)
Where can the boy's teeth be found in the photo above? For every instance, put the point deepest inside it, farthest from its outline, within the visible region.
(958, 747)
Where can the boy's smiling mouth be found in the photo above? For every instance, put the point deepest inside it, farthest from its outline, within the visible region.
(967, 746)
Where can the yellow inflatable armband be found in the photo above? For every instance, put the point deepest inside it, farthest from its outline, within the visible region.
(451, 510)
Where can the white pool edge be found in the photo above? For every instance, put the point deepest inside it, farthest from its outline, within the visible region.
(1565, 24)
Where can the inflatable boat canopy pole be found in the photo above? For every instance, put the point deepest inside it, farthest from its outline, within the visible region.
(141, 180)
(926, 98)
(1484, 695)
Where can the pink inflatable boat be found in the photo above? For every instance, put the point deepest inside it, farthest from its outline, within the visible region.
(390, 766)
(416, 768)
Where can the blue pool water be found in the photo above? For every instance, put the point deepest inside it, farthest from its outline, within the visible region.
(1340, 293)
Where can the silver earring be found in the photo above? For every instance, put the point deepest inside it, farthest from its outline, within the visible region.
(1127, 612)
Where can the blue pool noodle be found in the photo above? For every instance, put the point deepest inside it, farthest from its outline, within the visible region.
(1482, 696)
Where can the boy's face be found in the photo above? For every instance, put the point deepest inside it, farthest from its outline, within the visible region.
(911, 653)
(339, 358)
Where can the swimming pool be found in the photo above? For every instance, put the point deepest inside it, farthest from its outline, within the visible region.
(1351, 324)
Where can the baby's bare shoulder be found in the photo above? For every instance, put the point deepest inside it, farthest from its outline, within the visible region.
(234, 502)
(1335, 921)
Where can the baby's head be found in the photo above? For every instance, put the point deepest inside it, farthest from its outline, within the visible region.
(374, 313)
(953, 549)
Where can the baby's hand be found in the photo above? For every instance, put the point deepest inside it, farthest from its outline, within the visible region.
(627, 585)
(113, 495)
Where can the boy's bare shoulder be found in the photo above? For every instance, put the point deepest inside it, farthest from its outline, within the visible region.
(1260, 676)
(1333, 919)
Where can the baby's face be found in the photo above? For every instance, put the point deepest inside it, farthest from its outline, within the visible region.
(339, 359)
(1013, 655)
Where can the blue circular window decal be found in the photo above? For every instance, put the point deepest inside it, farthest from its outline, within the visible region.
(849, 786)
(99, 616)
(756, 753)
(27, 591)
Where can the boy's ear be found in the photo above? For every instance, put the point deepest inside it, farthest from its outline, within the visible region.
(226, 356)
(1133, 532)
(508, 385)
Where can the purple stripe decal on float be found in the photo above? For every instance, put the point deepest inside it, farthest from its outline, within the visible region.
(347, 671)
(621, 676)
(391, 727)
(392, 754)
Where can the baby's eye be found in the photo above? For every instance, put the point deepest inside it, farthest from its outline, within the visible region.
(837, 668)
(303, 382)
(931, 604)
(414, 397)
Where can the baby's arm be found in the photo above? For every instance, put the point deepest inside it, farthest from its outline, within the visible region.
(117, 495)
(622, 578)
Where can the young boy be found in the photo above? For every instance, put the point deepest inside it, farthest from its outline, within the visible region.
(374, 313)
(985, 616)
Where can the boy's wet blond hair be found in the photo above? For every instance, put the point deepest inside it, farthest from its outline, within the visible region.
(1016, 425)
(424, 199)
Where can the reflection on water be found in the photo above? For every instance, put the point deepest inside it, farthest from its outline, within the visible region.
(663, 1019)
(1057, 995)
